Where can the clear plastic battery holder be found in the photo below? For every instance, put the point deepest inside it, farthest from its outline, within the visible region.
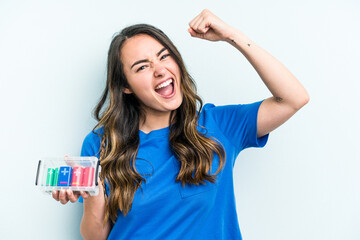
(75, 173)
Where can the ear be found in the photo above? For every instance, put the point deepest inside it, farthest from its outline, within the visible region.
(127, 91)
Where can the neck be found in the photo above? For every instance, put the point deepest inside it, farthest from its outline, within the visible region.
(155, 121)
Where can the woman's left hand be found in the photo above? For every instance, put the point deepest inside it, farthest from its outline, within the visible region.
(208, 26)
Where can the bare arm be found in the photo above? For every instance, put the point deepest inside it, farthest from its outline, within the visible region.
(288, 93)
(92, 223)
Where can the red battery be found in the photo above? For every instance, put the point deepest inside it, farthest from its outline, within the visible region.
(88, 177)
(77, 176)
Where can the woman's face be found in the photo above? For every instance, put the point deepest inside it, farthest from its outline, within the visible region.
(152, 74)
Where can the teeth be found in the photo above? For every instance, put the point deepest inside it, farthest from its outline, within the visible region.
(164, 84)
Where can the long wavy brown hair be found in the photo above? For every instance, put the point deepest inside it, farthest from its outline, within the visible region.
(120, 119)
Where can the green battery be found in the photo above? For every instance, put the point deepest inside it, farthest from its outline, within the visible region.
(50, 176)
(56, 177)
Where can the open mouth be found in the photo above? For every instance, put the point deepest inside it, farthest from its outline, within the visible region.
(165, 89)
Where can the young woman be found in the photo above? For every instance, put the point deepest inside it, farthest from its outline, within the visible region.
(166, 163)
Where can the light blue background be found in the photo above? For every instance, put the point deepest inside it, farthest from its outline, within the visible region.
(303, 185)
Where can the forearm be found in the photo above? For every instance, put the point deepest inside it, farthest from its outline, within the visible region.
(279, 80)
(92, 224)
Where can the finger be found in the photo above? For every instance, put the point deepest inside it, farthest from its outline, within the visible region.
(196, 23)
(195, 34)
(101, 188)
(71, 196)
(84, 195)
(203, 24)
(77, 195)
(71, 162)
(195, 19)
(63, 197)
(55, 195)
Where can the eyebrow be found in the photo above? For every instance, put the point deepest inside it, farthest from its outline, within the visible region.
(145, 60)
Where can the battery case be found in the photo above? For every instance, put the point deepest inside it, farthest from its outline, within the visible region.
(75, 173)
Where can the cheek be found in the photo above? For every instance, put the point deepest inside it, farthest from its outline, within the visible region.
(143, 91)
(176, 70)
(139, 82)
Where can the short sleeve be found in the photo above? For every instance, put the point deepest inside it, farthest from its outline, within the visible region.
(91, 145)
(238, 123)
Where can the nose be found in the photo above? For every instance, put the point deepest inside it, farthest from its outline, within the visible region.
(159, 70)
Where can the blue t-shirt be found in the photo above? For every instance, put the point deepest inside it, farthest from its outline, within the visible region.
(163, 209)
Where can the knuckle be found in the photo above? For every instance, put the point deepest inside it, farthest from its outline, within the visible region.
(70, 193)
(54, 197)
(74, 199)
(83, 195)
(205, 11)
(62, 198)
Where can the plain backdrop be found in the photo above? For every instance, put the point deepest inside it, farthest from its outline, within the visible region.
(303, 185)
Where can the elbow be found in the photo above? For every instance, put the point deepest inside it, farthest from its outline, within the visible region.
(305, 99)
(302, 101)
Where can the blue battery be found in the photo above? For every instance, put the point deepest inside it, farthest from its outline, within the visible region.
(64, 176)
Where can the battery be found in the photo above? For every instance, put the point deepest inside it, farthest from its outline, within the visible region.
(50, 177)
(77, 176)
(88, 177)
(56, 177)
(65, 176)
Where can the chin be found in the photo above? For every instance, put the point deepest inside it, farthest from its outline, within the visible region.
(178, 103)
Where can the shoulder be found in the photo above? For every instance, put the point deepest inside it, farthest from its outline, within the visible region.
(210, 110)
(92, 142)
(212, 115)
(94, 135)
(228, 110)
